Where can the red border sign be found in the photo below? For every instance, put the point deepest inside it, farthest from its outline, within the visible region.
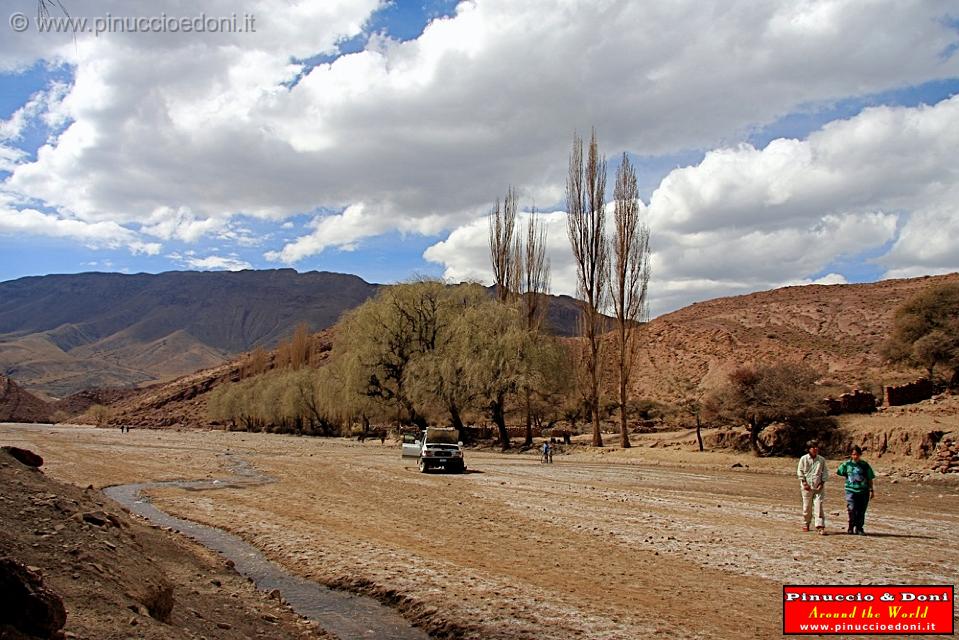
(902, 609)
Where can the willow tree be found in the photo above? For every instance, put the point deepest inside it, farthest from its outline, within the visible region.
(439, 377)
(501, 356)
(586, 227)
(396, 350)
(629, 280)
(386, 334)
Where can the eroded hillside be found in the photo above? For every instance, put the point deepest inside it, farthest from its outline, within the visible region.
(836, 329)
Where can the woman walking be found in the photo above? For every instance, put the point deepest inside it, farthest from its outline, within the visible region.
(859, 489)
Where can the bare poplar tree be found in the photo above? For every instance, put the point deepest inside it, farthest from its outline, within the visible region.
(535, 269)
(586, 226)
(506, 256)
(630, 279)
(503, 251)
(534, 286)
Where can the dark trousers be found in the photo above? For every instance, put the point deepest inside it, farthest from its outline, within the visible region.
(856, 504)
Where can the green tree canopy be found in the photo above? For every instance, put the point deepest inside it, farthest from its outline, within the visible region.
(926, 331)
(425, 348)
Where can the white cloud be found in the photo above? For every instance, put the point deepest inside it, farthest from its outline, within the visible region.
(341, 230)
(217, 263)
(423, 134)
(927, 243)
(181, 224)
(211, 262)
(95, 235)
(10, 157)
(172, 137)
(746, 219)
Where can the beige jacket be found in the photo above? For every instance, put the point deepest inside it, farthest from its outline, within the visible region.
(813, 470)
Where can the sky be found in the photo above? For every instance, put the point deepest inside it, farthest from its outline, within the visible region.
(776, 143)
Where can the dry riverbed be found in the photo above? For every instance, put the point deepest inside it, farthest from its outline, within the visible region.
(621, 544)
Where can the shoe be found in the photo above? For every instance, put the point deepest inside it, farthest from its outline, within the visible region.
(850, 531)
(805, 527)
(821, 530)
(860, 532)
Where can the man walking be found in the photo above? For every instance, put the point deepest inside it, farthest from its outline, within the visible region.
(812, 477)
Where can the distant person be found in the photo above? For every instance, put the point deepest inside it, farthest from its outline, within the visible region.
(383, 437)
(547, 452)
(859, 489)
(812, 477)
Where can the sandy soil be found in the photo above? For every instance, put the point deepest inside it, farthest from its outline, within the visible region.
(612, 544)
(121, 579)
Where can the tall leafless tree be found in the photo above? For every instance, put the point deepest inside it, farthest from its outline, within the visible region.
(629, 280)
(535, 272)
(586, 226)
(534, 287)
(504, 254)
(506, 257)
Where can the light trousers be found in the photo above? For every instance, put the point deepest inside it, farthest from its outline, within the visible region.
(812, 504)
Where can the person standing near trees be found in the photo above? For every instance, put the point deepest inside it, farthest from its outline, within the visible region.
(812, 476)
(547, 452)
(859, 489)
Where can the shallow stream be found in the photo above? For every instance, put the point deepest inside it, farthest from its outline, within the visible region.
(343, 614)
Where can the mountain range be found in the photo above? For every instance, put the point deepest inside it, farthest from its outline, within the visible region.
(836, 329)
(61, 334)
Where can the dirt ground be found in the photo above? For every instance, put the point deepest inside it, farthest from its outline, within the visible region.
(600, 544)
(119, 578)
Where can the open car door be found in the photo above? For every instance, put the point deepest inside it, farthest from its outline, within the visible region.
(411, 445)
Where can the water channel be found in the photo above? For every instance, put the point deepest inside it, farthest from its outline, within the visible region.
(346, 615)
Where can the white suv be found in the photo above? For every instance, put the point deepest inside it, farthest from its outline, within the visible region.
(435, 448)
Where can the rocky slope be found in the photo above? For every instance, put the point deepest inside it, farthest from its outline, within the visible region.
(61, 334)
(182, 402)
(18, 405)
(71, 555)
(836, 329)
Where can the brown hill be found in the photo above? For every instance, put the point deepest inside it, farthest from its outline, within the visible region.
(182, 402)
(836, 329)
(17, 405)
(79, 402)
(61, 334)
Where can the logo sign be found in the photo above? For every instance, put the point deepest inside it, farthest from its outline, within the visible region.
(900, 609)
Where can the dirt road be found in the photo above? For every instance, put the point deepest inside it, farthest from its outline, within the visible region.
(622, 545)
